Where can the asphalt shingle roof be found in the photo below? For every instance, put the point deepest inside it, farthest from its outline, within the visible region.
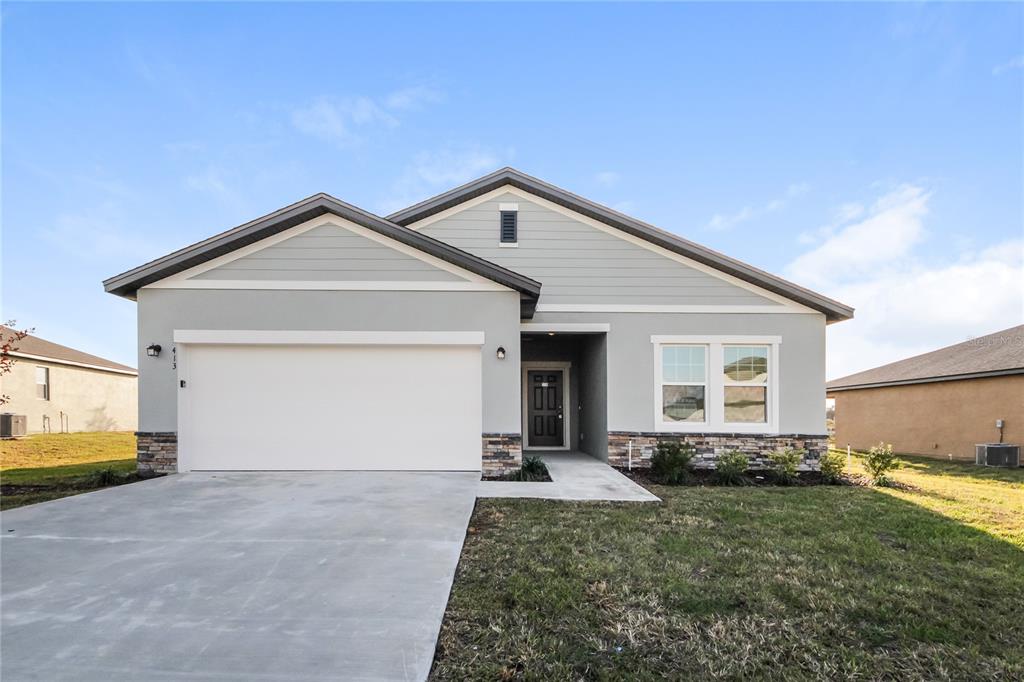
(999, 353)
(33, 345)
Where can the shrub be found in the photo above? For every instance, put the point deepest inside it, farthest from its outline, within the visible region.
(730, 469)
(879, 462)
(785, 464)
(534, 469)
(832, 464)
(671, 462)
(105, 477)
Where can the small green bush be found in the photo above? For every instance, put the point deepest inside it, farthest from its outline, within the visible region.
(731, 468)
(534, 469)
(105, 477)
(785, 464)
(879, 461)
(670, 463)
(832, 464)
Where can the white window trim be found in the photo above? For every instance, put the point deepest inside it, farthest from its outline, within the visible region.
(714, 399)
(566, 411)
(46, 384)
(328, 338)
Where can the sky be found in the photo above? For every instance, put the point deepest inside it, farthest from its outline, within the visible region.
(871, 152)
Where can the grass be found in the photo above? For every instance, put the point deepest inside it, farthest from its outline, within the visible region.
(748, 583)
(49, 466)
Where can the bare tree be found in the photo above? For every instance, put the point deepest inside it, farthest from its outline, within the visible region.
(9, 339)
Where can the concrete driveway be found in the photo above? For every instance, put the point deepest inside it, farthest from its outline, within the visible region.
(234, 576)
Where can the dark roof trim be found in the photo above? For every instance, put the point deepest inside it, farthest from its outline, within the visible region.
(927, 380)
(834, 310)
(127, 283)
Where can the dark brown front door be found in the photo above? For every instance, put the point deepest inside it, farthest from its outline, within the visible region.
(544, 408)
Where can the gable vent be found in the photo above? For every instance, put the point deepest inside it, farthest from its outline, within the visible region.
(509, 227)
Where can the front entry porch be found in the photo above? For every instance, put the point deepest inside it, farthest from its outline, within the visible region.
(564, 391)
(574, 476)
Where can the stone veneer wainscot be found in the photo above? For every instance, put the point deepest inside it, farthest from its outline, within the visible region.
(708, 446)
(502, 453)
(156, 452)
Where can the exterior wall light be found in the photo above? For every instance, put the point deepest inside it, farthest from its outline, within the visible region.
(153, 350)
(501, 352)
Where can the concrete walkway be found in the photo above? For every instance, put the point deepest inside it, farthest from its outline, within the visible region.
(234, 576)
(574, 476)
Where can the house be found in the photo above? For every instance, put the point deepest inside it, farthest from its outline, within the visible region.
(940, 404)
(501, 316)
(62, 389)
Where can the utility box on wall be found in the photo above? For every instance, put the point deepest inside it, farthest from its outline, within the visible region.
(997, 455)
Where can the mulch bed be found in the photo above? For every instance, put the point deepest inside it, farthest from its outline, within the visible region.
(706, 477)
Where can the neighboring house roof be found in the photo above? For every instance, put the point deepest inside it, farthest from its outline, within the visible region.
(127, 283)
(35, 348)
(834, 311)
(997, 354)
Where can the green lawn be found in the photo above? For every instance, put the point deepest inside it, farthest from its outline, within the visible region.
(48, 466)
(748, 583)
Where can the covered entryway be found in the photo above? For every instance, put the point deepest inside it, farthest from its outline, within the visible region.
(565, 388)
(329, 401)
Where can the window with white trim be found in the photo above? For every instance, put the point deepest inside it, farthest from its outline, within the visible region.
(716, 384)
(684, 382)
(745, 384)
(43, 383)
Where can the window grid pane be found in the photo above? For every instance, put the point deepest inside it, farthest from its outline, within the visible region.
(682, 403)
(683, 364)
(746, 404)
(745, 364)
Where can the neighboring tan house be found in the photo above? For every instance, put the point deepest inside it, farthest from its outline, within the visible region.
(939, 404)
(504, 315)
(62, 389)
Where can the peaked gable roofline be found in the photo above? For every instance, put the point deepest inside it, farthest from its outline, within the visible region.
(834, 310)
(128, 283)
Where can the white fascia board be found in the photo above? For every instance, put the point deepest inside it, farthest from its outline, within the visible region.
(658, 308)
(565, 327)
(327, 338)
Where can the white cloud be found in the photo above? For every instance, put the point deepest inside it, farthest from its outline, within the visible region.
(340, 120)
(721, 222)
(412, 98)
(345, 121)
(893, 227)
(607, 178)
(904, 305)
(99, 235)
(1011, 65)
(433, 171)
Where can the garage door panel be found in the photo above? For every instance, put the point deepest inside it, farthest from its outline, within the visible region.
(331, 407)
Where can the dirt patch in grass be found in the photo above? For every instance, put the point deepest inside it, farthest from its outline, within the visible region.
(759, 582)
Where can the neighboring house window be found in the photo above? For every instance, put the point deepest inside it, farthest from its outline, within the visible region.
(43, 383)
(683, 383)
(509, 227)
(745, 377)
(740, 397)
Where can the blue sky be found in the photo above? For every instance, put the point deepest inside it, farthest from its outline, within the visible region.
(872, 152)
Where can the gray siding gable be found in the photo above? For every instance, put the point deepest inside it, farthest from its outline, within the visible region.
(329, 253)
(579, 263)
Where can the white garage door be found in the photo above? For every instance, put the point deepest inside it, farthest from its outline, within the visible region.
(278, 407)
